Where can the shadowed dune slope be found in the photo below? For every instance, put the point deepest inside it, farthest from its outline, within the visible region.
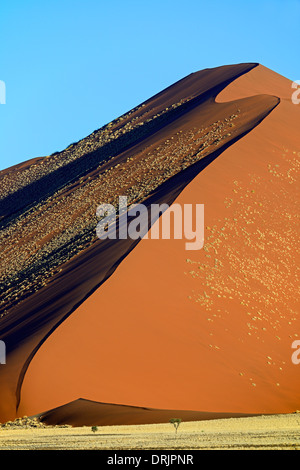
(90, 413)
(207, 330)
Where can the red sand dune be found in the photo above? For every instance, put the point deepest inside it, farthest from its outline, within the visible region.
(207, 330)
(90, 413)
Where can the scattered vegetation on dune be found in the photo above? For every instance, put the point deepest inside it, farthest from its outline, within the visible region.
(53, 230)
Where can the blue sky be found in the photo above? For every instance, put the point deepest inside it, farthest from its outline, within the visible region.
(72, 66)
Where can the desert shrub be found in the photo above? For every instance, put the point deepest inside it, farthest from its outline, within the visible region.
(176, 422)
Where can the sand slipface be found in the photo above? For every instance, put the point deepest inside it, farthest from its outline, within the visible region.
(91, 413)
(150, 324)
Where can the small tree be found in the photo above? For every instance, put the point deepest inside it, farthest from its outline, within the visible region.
(176, 422)
(94, 428)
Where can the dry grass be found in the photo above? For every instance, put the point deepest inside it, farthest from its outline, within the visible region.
(263, 432)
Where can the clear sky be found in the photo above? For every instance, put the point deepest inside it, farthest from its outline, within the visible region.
(72, 66)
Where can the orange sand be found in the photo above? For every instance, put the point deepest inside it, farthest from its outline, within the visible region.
(207, 330)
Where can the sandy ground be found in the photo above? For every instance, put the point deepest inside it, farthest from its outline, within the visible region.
(276, 432)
